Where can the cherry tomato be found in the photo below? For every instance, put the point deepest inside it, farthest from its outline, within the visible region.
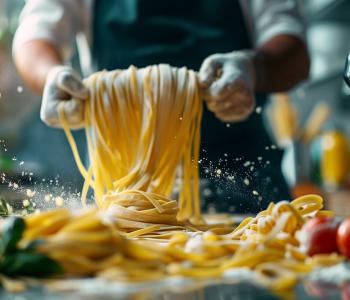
(321, 236)
(343, 237)
(315, 222)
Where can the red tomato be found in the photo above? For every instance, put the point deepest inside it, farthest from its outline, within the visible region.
(321, 236)
(315, 222)
(343, 237)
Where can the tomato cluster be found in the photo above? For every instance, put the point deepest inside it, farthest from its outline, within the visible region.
(327, 235)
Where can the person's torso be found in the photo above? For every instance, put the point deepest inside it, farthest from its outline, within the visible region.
(178, 32)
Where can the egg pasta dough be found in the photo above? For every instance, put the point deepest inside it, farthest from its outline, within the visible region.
(143, 132)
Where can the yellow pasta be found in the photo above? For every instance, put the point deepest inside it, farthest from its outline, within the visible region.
(143, 131)
(89, 242)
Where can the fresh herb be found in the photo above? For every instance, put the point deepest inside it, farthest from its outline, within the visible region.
(23, 262)
(29, 264)
(11, 234)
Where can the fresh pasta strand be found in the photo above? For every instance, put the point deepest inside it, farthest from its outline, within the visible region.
(143, 130)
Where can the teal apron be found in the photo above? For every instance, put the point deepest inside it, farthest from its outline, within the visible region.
(184, 33)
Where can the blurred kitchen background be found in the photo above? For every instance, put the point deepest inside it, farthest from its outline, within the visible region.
(31, 152)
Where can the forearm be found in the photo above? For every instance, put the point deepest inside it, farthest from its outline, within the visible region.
(34, 60)
(280, 64)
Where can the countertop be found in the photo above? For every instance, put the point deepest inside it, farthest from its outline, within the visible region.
(242, 290)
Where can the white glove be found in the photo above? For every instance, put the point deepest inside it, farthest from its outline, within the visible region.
(63, 84)
(228, 82)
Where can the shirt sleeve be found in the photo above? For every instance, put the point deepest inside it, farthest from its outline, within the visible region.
(57, 21)
(269, 18)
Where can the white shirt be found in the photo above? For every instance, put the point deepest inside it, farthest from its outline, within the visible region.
(63, 22)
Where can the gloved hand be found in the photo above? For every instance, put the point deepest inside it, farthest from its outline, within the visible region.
(228, 82)
(63, 85)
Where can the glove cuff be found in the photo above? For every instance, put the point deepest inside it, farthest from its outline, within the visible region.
(247, 62)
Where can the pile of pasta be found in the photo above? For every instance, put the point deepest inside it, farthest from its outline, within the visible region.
(89, 243)
(143, 134)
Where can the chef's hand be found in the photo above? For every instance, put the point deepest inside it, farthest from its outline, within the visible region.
(227, 81)
(63, 85)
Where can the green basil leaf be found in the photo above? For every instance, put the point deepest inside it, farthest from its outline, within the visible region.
(24, 263)
(12, 232)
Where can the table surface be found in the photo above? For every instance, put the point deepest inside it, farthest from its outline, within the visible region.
(241, 290)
